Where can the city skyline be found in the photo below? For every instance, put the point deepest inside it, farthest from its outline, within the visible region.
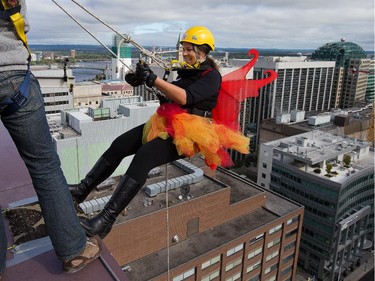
(259, 24)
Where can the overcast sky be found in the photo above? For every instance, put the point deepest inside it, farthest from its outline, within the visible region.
(303, 24)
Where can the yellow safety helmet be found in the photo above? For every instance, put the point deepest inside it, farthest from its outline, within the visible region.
(199, 35)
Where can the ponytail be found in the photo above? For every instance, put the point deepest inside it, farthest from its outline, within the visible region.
(206, 49)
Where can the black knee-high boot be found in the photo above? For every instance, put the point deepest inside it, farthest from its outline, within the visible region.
(100, 172)
(102, 224)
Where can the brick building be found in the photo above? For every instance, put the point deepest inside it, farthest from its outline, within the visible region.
(221, 226)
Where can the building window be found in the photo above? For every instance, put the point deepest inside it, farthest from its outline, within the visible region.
(289, 222)
(273, 243)
(212, 276)
(235, 277)
(272, 267)
(211, 262)
(263, 175)
(290, 246)
(253, 266)
(255, 278)
(265, 165)
(255, 252)
(289, 234)
(273, 278)
(275, 229)
(271, 256)
(286, 270)
(184, 275)
(287, 259)
(233, 264)
(234, 250)
(256, 239)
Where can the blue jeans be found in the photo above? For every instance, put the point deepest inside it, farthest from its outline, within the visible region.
(3, 244)
(29, 130)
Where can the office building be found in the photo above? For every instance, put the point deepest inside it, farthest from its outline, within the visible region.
(90, 94)
(301, 85)
(370, 91)
(333, 177)
(55, 84)
(207, 226)
(352, 71)
(356, 82)
(87, 94)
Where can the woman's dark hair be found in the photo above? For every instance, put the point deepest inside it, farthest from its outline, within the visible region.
(206, 49)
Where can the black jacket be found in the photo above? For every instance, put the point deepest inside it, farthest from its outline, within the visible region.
(202, 87)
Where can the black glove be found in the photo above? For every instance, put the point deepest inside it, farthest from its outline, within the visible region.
(133, 80)
(162, 99)
(144, 73)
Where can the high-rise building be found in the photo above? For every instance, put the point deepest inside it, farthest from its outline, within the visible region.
(355, 82)
(370, 92)
(123, 61)
(333, 177)
(301, 85)
(352, 71)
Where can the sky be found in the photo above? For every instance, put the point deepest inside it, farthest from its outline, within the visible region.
(279, 24)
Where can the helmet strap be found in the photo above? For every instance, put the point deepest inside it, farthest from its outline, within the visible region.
(199, 60)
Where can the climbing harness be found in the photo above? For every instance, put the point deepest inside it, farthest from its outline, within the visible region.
(13, 14)
(19, 98)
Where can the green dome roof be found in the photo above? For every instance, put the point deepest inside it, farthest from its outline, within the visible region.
(341, 52)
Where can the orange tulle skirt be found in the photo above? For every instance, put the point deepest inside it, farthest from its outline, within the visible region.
(194, 134)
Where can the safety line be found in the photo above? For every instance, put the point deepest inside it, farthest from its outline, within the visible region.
(92, 35)
(167, 220)
(127, 38)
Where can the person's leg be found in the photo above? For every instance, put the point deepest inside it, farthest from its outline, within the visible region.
(3, 244)
(124, 145)
(30, 132)
(150, 155)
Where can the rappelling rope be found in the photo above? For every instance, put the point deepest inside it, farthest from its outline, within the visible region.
(126, 38)
(91, 34)
(167, 220)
